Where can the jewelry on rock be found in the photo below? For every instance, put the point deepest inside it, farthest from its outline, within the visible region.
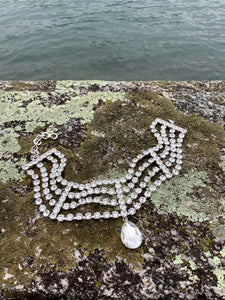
(54, 194)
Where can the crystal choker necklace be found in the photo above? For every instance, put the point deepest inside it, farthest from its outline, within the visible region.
(56, 196)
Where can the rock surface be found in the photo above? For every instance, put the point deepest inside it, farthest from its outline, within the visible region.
(102, 125)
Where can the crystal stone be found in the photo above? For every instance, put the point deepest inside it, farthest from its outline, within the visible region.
(70, 217)
(131, 236)
(60, 218)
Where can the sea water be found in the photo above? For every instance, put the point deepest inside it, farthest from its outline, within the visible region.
(112, 39)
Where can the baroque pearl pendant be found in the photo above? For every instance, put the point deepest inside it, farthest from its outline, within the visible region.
(131, 236)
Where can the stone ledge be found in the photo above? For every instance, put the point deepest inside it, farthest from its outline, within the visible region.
(102, 125)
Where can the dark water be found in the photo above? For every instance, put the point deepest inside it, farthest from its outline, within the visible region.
(112, 39)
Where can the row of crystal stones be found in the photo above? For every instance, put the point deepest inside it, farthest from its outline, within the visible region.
(128, 185)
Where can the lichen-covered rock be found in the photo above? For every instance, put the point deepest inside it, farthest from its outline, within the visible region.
(101, 126)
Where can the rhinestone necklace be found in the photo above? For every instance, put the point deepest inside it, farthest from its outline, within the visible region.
(56, 196)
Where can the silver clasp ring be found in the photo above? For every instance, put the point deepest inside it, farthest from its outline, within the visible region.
(45, 135)
(54, 136)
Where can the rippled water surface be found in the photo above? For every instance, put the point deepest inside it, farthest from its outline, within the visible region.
(112, 39)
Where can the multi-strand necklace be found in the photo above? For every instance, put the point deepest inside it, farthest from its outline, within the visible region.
(56, 197)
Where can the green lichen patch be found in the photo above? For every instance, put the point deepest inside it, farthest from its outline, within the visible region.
(182, 197)
(220, 274)
(35, 114)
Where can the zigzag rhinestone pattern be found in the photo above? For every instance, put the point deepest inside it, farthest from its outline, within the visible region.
(58, 198)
